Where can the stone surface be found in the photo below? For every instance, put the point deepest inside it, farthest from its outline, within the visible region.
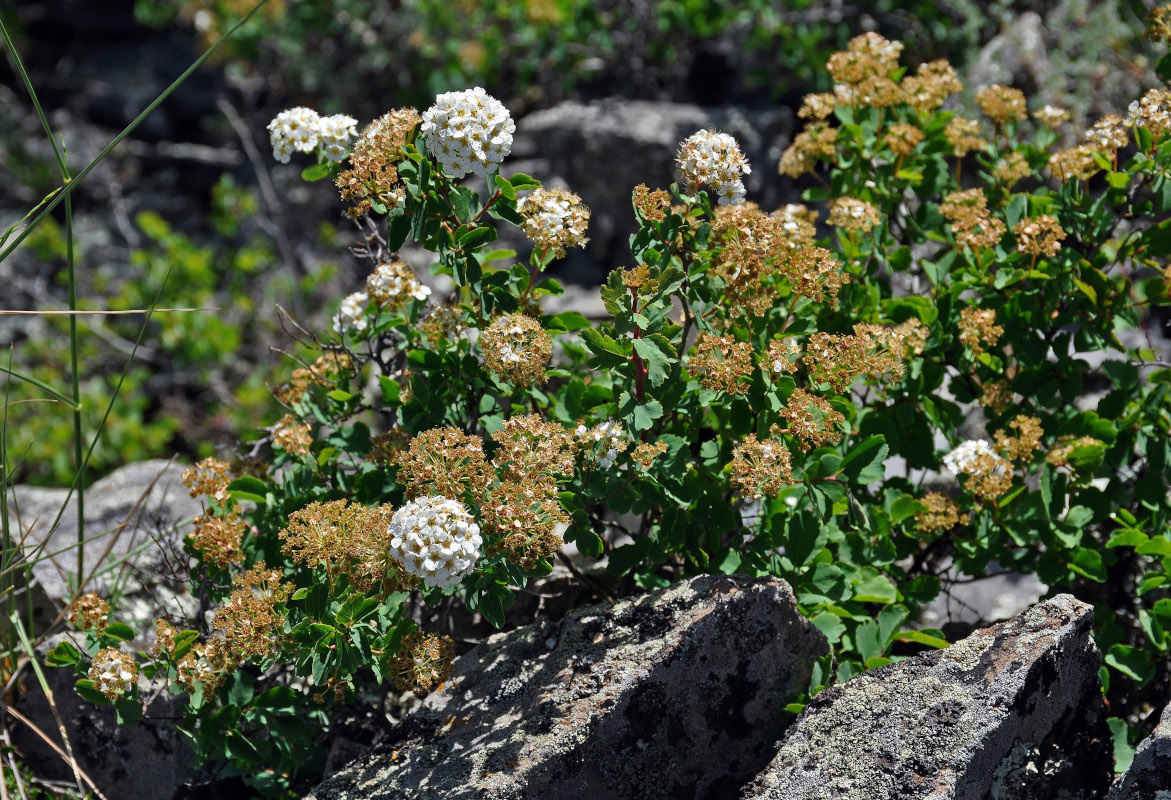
(133, 523)
(674, 694)
(1149, 775)
(570, 144)
(149, 761)
(1013, 712)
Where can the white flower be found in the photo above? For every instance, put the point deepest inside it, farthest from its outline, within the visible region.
(435, 539)
(351, 315)
(392, 283)
(294, 129)
(708, 159)
(554, 219)
(959, 458)
(607, 439)
(337, 134)
(468, 131)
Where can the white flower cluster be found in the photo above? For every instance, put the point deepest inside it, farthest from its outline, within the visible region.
(610, 439)
(303, 130)
(554, 219)
(351, 315)
(391, 283)
(468, 131)
(337, 135)
(113, 672)
(436, 540)
(713, 160)
(958, 459)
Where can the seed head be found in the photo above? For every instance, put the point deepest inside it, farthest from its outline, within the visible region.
(373, 174)
(978, 329)
(217, 539)
(1051, 117)
(444, 461)
(208, 477)
(1040, 235)
(720, 362)
(939, 513)
(423, 661)
(964, 136)
(89, 612)
(113, 673)
(1024, 440)
(392, 285)
(291, 436)
(812, 420)
(1003, 104)
(761, 469)
(853, 215)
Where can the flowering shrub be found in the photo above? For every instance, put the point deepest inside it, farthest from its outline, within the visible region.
(947, 375)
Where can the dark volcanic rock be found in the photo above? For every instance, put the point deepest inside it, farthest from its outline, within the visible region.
(1013, 712)
(1149, 776)
(675, 694)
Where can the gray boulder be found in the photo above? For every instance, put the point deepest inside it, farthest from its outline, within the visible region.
(571, 144)
(133, 531)
(1013, 712)
(1149, 775)
(675, 694)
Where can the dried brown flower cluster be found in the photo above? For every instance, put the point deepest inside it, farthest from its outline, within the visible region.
(347, 538)
(783, 356)
(113, 673)
(217, 539)
(89, 612)
(291, 436)
(385, 447)
(373, 176)
(652, 205)
(1059, 454)
(521, 514)
(1024, 440)
(761, 469)
(1107, 135)
(645, 453)
(978, 329)
(1159, 24)
(1154, 112)
(520, 517)
(444, 322)
(529, 447)
(250, 619)
(1074, 163)
(876, 352)
(987, 476)
(853, 215)
(208, 477)
(1039, 235)
(720, 362)
(939, 513)
(1051, 117)
(750, 242)
(516, 349)
(393, 284)
(424, 661)
(818, 106)
(204, 665)
(1003, 104)
(971, 221)
(165, 634)
(1012, 168)
(812, 420)
(964, 136)
(862, 72)
(996, 395)
(798, 224)
(818, 141)
(901, 138)
(931, 85)
(446, 462)
(323, 372)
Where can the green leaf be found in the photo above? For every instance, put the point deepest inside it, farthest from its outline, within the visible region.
(1130, 661)
(830, 626)
(866, 461)
(1088, 564)
(128, 711)
(390, 390)
(657, 355)
(63, 655)
(315, 173)
(248, 487)
(922, 637)
(608, 353)
(1128, 537)
(1123, 749)
(567, 321)
(85, 689)
(120, 630)
(1158, 546)
(522, 182)
(876, 588)
(645, 415)
(397, 231)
